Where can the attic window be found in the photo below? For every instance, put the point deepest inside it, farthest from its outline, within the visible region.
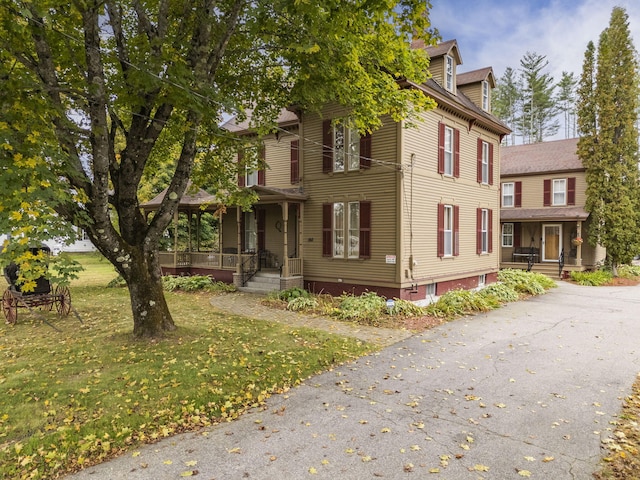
(485, 96)
(449, 73)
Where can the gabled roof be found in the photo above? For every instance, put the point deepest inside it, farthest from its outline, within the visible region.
(543, 157)
(190, 201)
(476, 76)
(450, 47)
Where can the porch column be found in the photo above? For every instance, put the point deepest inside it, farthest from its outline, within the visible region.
(285, 246)
(239, 239)
(175, 238)
(579, 247)
(300, 236)
(189, 217)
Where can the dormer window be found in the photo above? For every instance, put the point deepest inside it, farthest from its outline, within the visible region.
(485, 96)
(449, 73)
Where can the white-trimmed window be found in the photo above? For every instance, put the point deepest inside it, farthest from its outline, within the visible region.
(507, 234)
(482, 280)
(449, 73)
(508, 194)
(431, 290)
(353, 227)
(346, 229)
(485, 162)
(485, 96)
(448, 231)
(338, 229)
(448, 151)
(251, 177)
(559, 193)
(346, 148)
(484, 231)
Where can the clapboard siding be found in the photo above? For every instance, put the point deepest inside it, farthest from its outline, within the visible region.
(278, 159)
(533, 187)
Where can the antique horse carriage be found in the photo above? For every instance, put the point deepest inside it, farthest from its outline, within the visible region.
(42, 296)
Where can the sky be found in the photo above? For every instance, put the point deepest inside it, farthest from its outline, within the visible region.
(498, 33)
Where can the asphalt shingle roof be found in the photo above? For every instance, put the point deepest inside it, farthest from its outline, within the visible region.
(555, 156)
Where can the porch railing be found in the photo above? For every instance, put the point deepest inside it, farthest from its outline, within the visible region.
(249, 267)
(295, 266)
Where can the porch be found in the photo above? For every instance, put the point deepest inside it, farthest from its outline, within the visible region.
(248, 245)
(548, 241)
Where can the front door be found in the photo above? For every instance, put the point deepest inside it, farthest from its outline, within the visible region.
(551, 241)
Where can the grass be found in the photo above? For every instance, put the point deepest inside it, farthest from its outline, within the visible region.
(89, 392)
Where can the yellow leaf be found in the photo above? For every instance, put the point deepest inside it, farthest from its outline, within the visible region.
(135, 454)
(167, 462)
(548, 459)
(385, 430)
(530, 459)
(313, 471)
(480, 468)
(524, 473)
(366, 458)
(434, 470)
(191, 463)
(188, 473)
(325, 462)
(235, 450)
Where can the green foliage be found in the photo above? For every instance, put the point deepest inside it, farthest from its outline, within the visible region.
(595, 278)
(292, 293)
(608, 147)
(367, 308)
(302, 303)
(629, 271)
(117, 282)
(502, 292)
(405, 308)
(455, 303)
(194, 283)
(525, 282)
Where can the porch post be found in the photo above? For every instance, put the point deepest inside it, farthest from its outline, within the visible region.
(175, 239)
(300, 236)
(579, 247)
(189, 217)
(239, 239)
(285, 244)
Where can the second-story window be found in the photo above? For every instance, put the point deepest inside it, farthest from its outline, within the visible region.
(448, 151)
(485, 96)
(508, 194)
(449, 73)
(485, 162)
(559, 191)
(251, 177)
(346, 148)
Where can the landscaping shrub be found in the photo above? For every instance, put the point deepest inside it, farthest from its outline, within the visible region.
(405, 308)
(595, 278)
(368, 308)
(194, 282)
(502, 292)
(629, 271)
(526, 282)
(302, 303)
(291, 293)
(455, 303)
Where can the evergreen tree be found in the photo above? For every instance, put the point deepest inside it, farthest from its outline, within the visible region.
(506, 98)
(566, 102)
(607, 116)
(537, 118)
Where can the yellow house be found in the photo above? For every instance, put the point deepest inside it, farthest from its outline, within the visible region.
(543, 220)
(408, 211)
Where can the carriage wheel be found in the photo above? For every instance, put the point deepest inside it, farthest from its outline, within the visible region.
(63, 300)
(9, 307)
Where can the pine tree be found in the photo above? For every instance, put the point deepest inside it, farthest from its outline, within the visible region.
(607, 116)
(506, 98)
(566, 102)
(538, 116)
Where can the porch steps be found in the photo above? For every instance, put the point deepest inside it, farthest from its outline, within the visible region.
(548, 269)
(262, 282)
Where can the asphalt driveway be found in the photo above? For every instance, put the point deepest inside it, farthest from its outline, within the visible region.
(529, 390)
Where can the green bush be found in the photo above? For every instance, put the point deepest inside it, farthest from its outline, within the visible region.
(193, 283)
(405, 308)
(302, 304)
(455, 303)
(629, 271)
(117, 282)
(368, 308)
(595, 278)
(525, 282)
(291, 293)
(502, 292)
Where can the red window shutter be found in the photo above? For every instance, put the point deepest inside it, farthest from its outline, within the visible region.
(490, 230)
(456, 153)
(518, 195)
(365, 229)
(441, 147)
(327, 220)
(456, 230)
(365, 151)
(478, 231)
(295, 161)
(440, 240)
(261, 165)
(571, 191)
(516, 234)
(479, 161)
(242, 175)
(547, 193)
(491, 164)
(261, 217)
(327, 146)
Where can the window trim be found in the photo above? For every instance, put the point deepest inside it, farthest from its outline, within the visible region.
(449, 73)
(555, 192)
(330, 234)
(507, 235)
(485, 95)
(484, 231)
(485, 163)
(448, 159)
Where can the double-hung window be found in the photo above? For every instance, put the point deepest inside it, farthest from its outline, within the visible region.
(346, 148)
(449, 73)
(448, 151)
(485, 96)
(346, 229)
(508, 192)
(484, 231)
(485, 162)
(507, 234)
(448, 230)
(559, 191)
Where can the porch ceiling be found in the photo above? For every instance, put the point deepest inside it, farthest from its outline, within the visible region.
(191, 201)
(542, 214)
(273, 195)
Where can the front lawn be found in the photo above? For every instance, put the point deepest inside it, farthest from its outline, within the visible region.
(90, 392)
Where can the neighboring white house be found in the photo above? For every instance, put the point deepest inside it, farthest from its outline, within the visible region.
(57, 245)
